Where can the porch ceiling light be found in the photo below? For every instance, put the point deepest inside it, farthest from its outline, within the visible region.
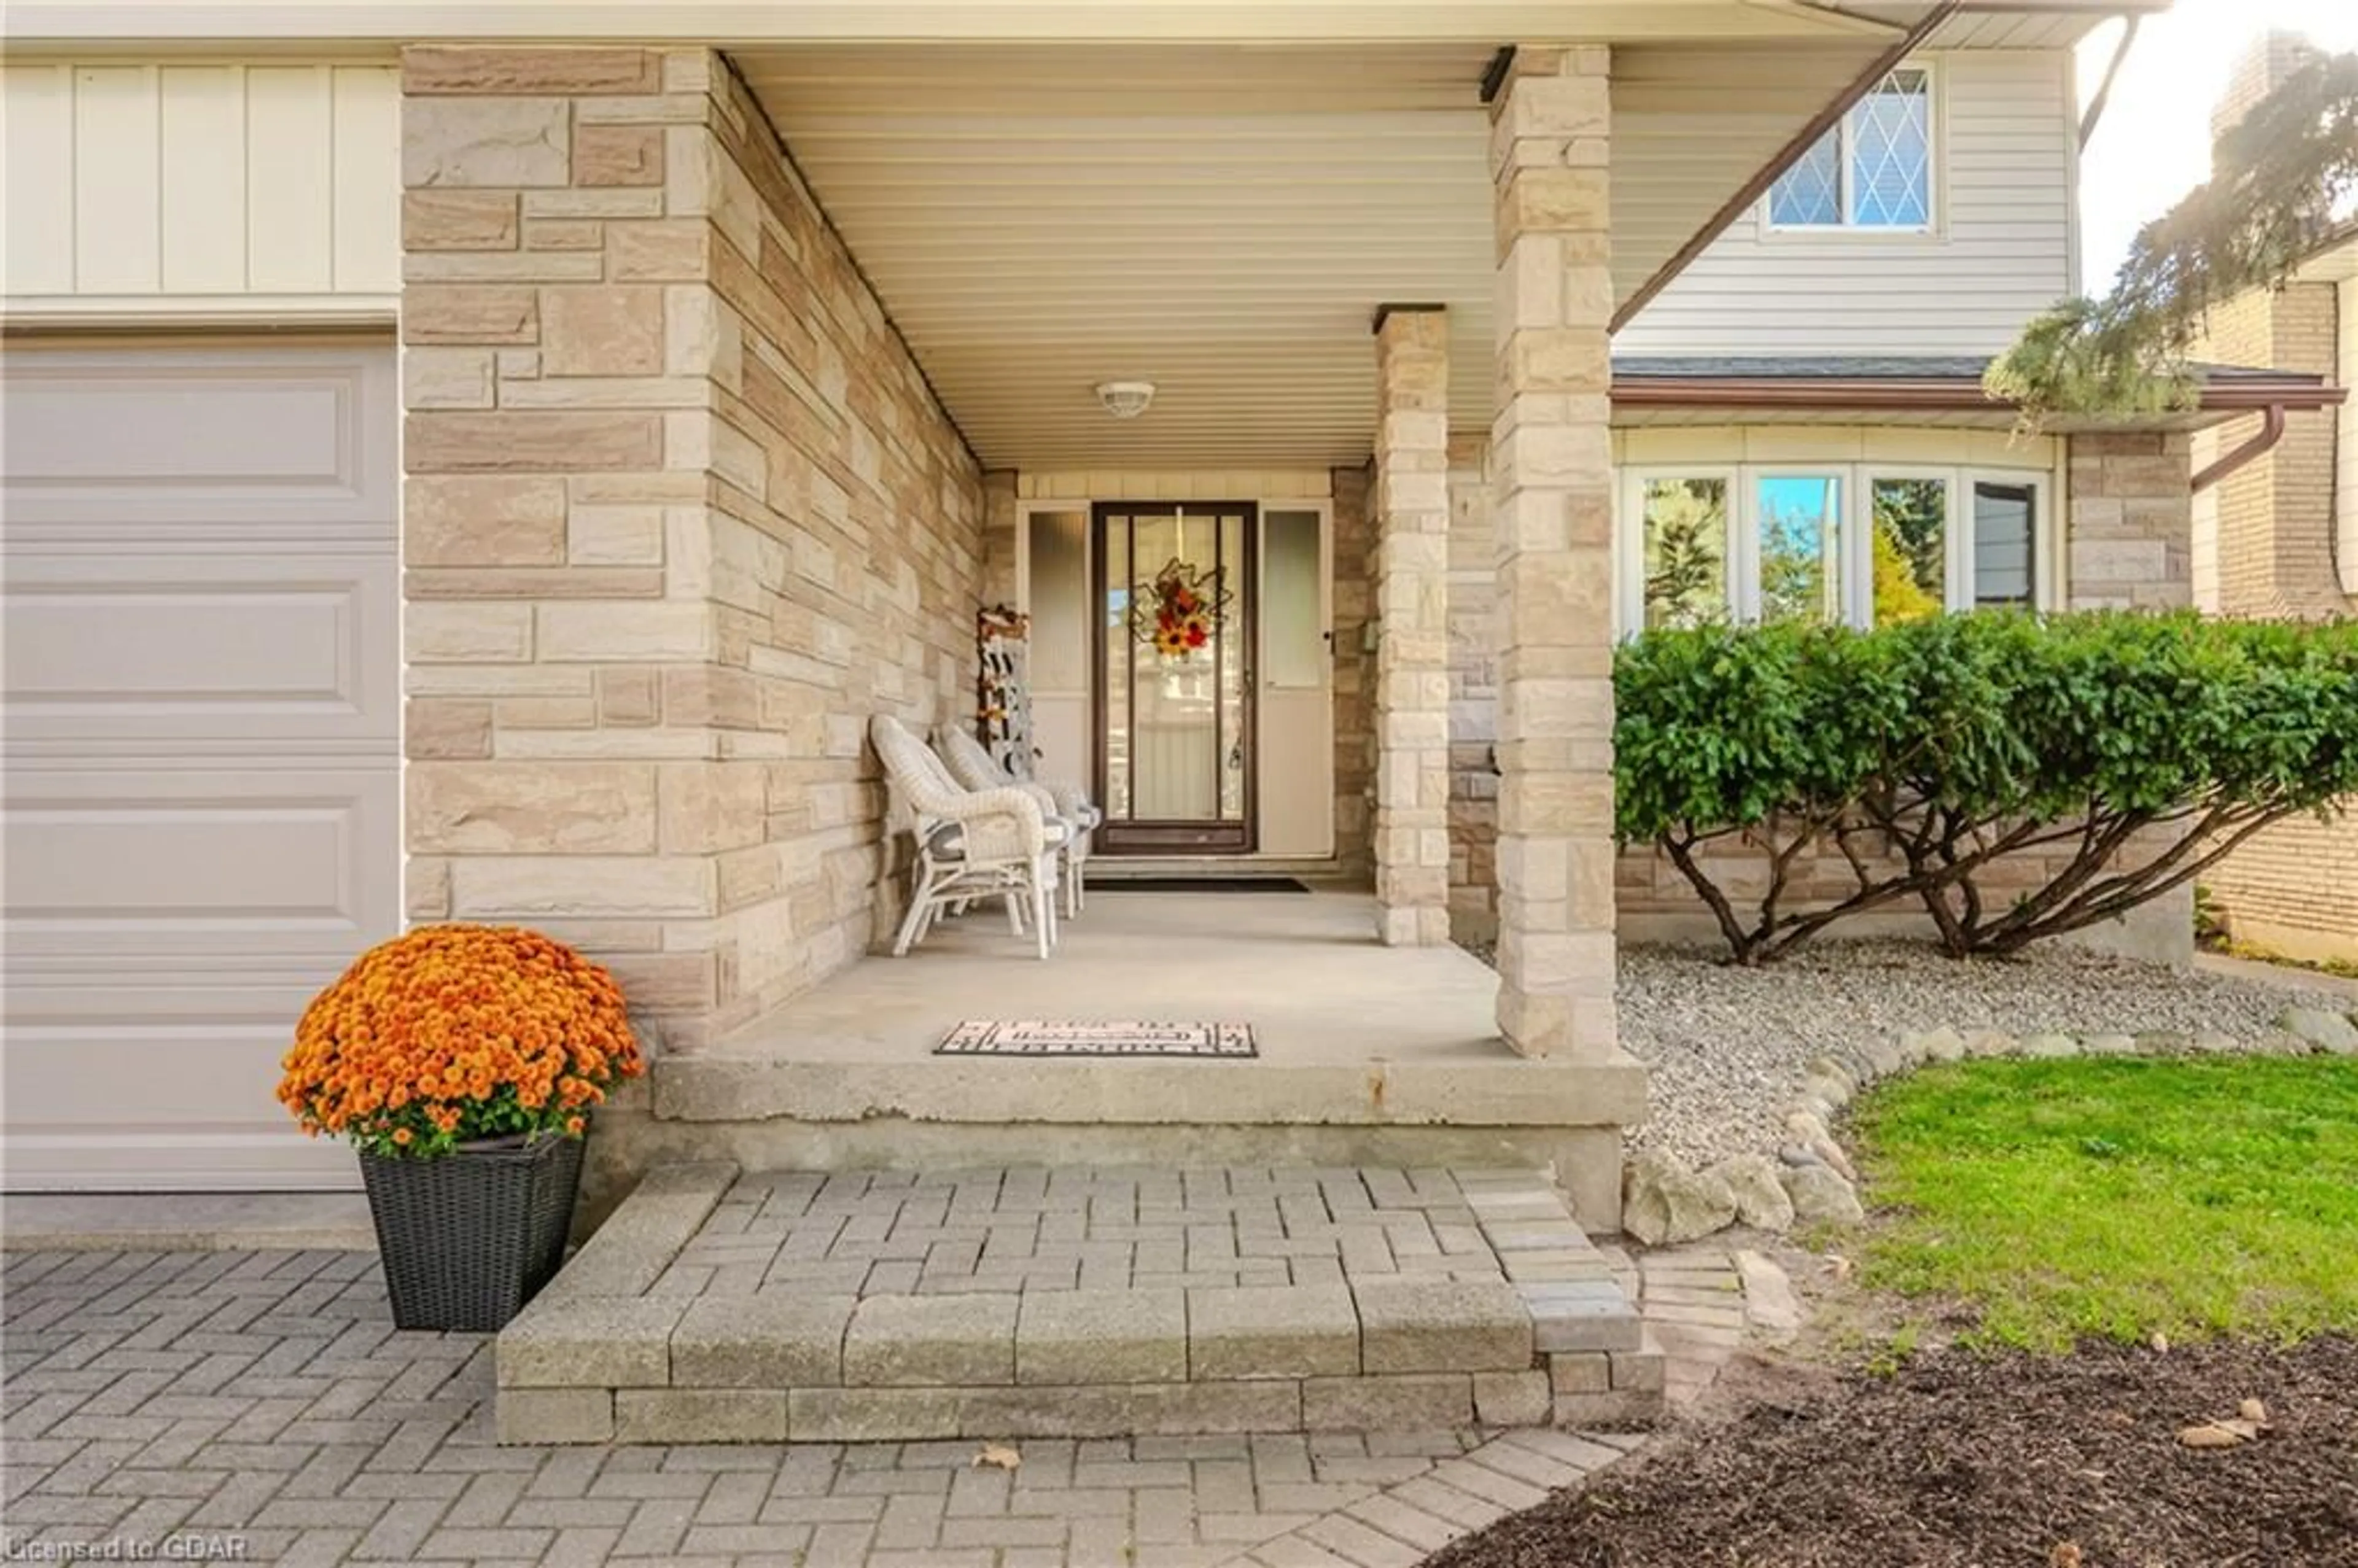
(1125, 399)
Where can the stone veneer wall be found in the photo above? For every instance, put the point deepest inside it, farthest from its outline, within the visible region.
(681, 512)
(1354, 675)
(2128, 514)
(1473, 694)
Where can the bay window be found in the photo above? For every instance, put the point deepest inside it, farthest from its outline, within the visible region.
(1860, 544)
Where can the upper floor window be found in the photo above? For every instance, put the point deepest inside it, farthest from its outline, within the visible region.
(1873, 170)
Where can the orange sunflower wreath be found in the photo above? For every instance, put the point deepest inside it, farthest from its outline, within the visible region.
(456, 1032)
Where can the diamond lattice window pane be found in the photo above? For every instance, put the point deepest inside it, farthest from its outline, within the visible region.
(1891, 153)
(1809, 191)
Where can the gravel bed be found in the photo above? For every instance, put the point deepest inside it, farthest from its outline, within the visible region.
(1727, 1045)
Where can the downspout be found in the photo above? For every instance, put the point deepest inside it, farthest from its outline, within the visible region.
(2095, 110)
(2271, 431)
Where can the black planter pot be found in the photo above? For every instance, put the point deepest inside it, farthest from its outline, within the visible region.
(467, 1240)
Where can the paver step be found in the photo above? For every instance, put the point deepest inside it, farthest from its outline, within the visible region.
(720, 1307)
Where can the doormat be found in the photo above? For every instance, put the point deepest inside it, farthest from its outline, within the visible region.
(1199, 884)
(1128, 1037)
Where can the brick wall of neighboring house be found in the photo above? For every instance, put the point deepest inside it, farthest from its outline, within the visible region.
(681, 513)
(1472, 695)
(2268, 529)
(2127, 517)
(2266, 539)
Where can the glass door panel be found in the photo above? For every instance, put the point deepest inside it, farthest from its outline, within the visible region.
(1175, 742)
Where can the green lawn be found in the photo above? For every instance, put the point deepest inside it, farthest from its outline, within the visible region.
(2117, 1198)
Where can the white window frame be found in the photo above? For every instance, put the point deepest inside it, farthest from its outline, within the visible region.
(1848, 535)
(1845, 194)
(1854, 480)
(1956, 548)
(2046, 554)
(1630, 601)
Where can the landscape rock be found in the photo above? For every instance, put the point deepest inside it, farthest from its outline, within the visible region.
(1842, 1073)
(1834, 1093)
(1770, 1304)
(1798, 1154)
(2212, 1041)
(2329, 1031)
(1663, 1202)
(1830, 1153)
(1944, 1044)
(1760, 1201)
(2162, 1043)
(1820, 1195)
(1804, 1127)
(1730, 1049)
(2109, 1045)
(1992, 1043)
(2051, 1044)
(1882, 1056)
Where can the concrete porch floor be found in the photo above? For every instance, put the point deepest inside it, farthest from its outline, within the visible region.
(1369, 1055)
(1303, 970)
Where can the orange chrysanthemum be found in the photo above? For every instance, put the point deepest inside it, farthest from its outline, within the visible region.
(452, 1033)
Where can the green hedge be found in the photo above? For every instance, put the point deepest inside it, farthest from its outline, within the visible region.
(2134, 749)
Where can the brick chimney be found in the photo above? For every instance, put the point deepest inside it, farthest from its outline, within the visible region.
(2267, 61)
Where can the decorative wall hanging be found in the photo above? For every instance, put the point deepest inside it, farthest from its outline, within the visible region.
(1181, 609)
(1002, 693)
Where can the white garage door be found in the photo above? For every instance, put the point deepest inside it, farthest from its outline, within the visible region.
(200, 739)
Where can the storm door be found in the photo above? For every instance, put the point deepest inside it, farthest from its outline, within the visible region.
(1174, 733)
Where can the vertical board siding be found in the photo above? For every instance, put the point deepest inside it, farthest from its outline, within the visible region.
(116, 247)
(167, 185)
(365, 181)
(37, 120)
(203, 196)
(2000, 249)
(290, 180)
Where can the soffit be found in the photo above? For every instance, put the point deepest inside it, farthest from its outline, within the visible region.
(1224, 221)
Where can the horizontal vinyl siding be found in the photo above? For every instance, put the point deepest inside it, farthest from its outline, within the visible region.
(2000, 250)
(170, 188)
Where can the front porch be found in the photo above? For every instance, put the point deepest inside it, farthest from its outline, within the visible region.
(738, 379)
(1368, 1054)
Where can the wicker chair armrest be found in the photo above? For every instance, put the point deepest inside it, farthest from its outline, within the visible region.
(1072, 804)
(999, 823)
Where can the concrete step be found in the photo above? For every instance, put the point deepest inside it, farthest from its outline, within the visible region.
(721, 1306)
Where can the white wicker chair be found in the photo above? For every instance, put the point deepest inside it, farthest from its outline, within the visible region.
(972, 765)
(971, 844)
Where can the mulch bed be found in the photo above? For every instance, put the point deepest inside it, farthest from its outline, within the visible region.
(1964, 1459)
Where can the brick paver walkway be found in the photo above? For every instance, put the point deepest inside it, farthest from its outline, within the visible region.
(885, 1232)
(259, 1406)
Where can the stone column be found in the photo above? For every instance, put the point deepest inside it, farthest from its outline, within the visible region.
(564, 710)
(1355, 701)
(1552, 497)
(1412, 837)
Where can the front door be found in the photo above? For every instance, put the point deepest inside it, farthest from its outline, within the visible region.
(1173, 738)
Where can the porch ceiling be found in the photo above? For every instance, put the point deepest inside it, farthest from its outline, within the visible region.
(1223, 220)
